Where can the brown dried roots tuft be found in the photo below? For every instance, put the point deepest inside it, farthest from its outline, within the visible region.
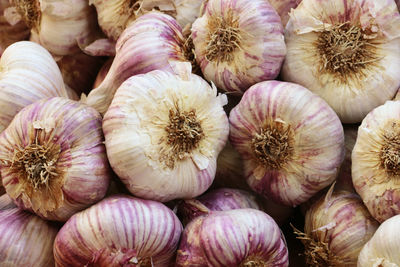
(253, 262)
(390, 151)
(273, 145)
(224, 38)
(30, 12)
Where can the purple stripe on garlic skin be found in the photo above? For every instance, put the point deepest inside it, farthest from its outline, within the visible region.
(119, 231)
(256, 51)
(147, 44)
(290, 140)
(70, 173)
(242, 237)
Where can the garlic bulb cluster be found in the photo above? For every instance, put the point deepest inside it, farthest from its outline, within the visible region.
(61, 26)
(53, 159)
(349, 54)
(336, 228)
(26, 240)
(149, 43)
(119, 231)
(28, 73)
(292, 144)
(383, 248)
(376, 161)
(241, 237)
(12, 27)
(283, 7)
(164, 132)
(239, 43)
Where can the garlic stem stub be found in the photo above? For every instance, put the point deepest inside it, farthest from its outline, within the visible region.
(241, 237)
(28, 73)
(149, 43)
(164, 132)
(283, 7)
(53, 159)
(239, 43)
(383, 248)
(290, 140)
(336, 228)
(349, 54)
(26, 240)
(375, 161)
(119, 231)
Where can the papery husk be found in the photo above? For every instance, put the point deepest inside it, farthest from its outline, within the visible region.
(283, 7)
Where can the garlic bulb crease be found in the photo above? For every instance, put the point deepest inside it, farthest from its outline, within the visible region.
(283, 7)
(347, 52)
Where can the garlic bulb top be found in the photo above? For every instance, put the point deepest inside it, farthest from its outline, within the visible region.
(239, 43)
(349, 54)
(27, 73)
(290, 140)
(383, 248)
(53, 160)
(283, 7)
(164, 132)
(376, 161)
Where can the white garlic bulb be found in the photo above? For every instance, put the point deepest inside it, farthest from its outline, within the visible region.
(348, 53)
(164, 132)
(27, 73)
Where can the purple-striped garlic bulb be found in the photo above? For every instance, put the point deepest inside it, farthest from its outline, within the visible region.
(241, 237)
(149, 43)
(283, 7)
(239, 43)
(347, 52)
(61, 26)
(376, 161)
(164, 132)
(28, 73)
(26, 239)
(290, 140)
(119, 231)
(53, 158)
(12, 27)
(336, 227)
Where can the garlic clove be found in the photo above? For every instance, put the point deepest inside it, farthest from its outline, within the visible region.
(375, 158)
(239, 43)
(290, 140)
(365, 73)
(163, 134)
(53, 159)
(283, 7)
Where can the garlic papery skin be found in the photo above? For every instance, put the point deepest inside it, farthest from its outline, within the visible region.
(382, 250)
(344, 180)
(336, 228)
(375, 161)
(119, 231)
(149, 43)
(62, 26)
(349, 54)
(241, 237)
(26, 239)
(187, 11)
(290, 140)
(283, 7)
(12, 28)
(53, 159)
(238, 43)
(28, 73)
(6, 203)
(164, 132)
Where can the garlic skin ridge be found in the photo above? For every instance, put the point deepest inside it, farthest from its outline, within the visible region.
(370, 32)
(239, 43)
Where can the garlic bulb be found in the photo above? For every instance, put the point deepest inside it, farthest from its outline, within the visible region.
(53, 158)
(12, 28)
(149, 43)
(382, 250)
(27, 73)
(349, 54)
(291, 145)
(62, 26)
(375, 161)
(336, 228)
(119, 231)
(239, 43)
(283, 7)
(26, 240)
(164, 132)
(241, 237)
